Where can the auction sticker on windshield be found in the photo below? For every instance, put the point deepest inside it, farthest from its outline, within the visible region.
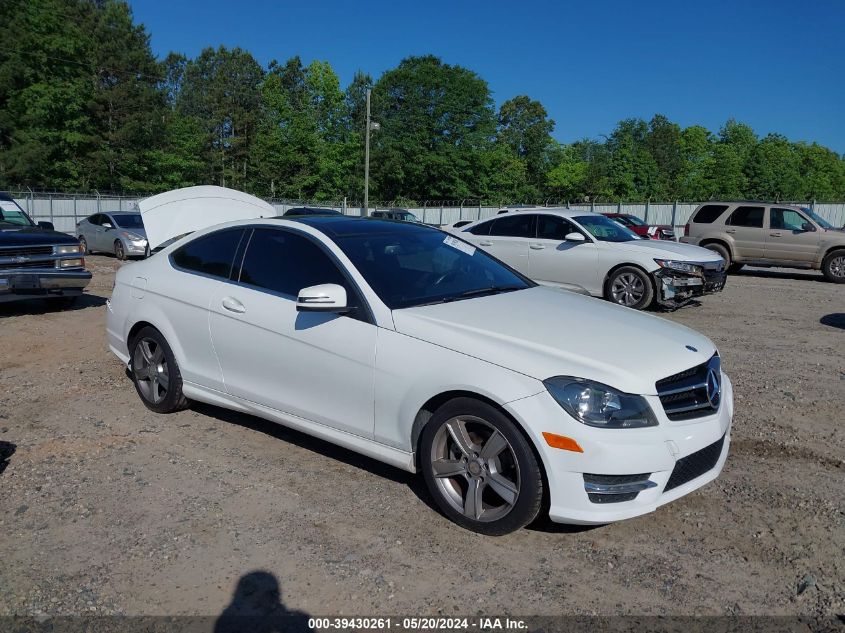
(461, 246)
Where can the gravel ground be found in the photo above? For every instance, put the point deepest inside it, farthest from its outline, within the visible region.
(109, 508)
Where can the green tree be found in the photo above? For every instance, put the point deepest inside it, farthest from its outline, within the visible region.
(525, 128)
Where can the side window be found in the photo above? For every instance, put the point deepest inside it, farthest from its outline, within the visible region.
(747, 216)
(552, 227)
(787, 219)
(514, 225)
(211, 254)
(285, 262)
(481, 229)
(95, 219)
(106, 221)
(709, 213)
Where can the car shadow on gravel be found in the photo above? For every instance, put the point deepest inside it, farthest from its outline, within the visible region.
(46, 306)
(765, 273)
(837, 320)
(415, 483)
(7, 449)
(257, 607)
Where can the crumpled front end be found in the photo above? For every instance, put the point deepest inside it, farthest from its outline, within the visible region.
(676, 288)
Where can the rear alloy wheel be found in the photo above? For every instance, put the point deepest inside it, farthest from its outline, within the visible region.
(833, 267)
(718, 248)
(155, 372)
(479, 468)
(629, 287)
(119, 250)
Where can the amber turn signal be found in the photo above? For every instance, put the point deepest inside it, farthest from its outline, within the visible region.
(561, 441)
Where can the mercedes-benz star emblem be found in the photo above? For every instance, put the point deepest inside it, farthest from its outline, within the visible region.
(713, 388)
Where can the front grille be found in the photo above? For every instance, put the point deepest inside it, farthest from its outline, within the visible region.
(615, 479)
(694, 465)
(44, 263)
(26, 251)
(692, 393)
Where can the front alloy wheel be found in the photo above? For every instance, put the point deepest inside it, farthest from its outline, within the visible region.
(119, 250)
(480, 469)
(833, 267)
(630, 287)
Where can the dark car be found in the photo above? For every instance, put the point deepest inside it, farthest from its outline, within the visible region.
(300, 211)
(642, 228)
(403, 215)
(37, 262)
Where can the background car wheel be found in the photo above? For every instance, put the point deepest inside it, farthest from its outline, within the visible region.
(718, 248)
(155, 372)
(83, 244)
(735, 268)
(630, 287)
(833, 267)
(479, 468)
(119, 250)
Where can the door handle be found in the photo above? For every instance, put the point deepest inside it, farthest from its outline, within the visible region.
(537, 247)
(233, 305)
(485, 243)
(730, 230)
(775, 234)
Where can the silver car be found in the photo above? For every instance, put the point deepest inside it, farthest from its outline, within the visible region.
(121, 233)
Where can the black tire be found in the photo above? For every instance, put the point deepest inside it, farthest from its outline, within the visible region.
(119, 250)
(149, 344)
(83, 244)
(735, 268)
(723, 251)
(515, 465)
(638, 281)
(833, 267)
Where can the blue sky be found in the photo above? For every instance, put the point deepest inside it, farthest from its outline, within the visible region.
(777, 65)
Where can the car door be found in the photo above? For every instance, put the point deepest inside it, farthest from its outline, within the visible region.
(745, 226)
(316, 366)
(554, 261)
(788, 238)
(506, 237)
(94, 235)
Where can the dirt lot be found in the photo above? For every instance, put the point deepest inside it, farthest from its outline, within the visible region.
(109, 508)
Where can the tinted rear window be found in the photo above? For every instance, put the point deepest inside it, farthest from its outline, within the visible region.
(747, 216)
(211, 254)
(709, 213)
(516, 225)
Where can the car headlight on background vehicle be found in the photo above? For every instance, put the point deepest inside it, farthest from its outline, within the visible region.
(598, 405)
(133, 236)
(66, 249)
(684, 267)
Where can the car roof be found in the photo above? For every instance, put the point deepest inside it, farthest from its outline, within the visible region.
(561, 211)
(348, 226)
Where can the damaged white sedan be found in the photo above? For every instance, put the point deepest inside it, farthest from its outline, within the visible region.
(592, 254)
(411, 346)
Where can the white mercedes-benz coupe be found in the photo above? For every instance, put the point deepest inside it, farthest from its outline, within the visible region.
(592, 254)
(413, 347)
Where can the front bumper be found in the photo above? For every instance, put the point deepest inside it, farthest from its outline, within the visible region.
(657, 453)
(675, 288)
(16, 285)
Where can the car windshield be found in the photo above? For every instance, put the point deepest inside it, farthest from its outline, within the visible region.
(129, 221)
(410, 265)
(606, 230)
(819, 220)
(633, 220)
(11, 213)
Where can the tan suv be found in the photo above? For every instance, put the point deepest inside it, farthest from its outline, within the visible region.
(767, 234)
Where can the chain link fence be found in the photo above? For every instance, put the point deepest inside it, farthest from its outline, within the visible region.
(64, 210)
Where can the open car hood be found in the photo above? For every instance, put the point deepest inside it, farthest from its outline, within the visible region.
(181, 211)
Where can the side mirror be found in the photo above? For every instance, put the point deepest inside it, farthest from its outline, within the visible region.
(107, 225)
(47, 225)
(575, 237)
(322, 298)
(809, 228)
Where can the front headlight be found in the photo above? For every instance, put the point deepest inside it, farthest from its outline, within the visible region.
(133, 236)
(595, 404)
(71, 263)
(684, 267)
(66, 249)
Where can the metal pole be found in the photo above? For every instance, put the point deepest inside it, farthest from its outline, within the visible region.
(365, 210)
(674, 215)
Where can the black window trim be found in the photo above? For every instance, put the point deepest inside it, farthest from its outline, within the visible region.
(367, 315)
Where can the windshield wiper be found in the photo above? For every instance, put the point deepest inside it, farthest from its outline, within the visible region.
(476, 292)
